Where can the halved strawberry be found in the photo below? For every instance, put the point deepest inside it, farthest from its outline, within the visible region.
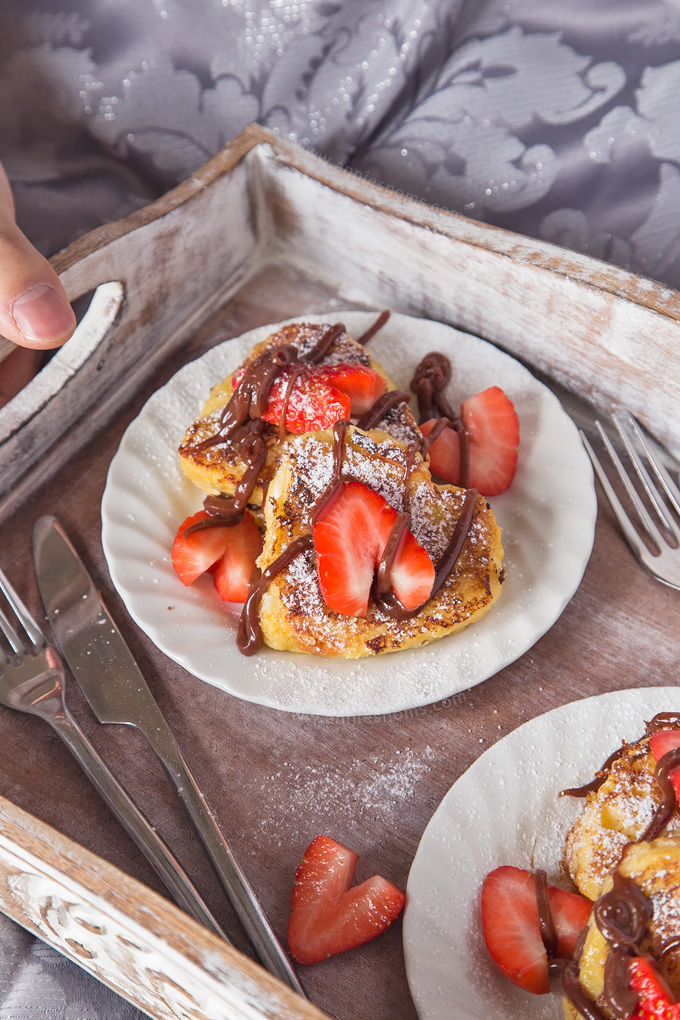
(328, 916)
(655, 1000)
(660, 743)
(512, 931)
(350, 537)
(444, 453)
(362, 385)
(311, 402)
(193, 554)
(493, 426)
(234, 569)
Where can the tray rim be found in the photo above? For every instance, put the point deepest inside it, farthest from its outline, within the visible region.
(260, 145)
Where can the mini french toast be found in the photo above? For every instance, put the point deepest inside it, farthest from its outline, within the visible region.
(325, 600)
(621, 809)
(322, 512)
(628, 964)
(320, 382)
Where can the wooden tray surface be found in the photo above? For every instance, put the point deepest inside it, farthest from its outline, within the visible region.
(275, 780)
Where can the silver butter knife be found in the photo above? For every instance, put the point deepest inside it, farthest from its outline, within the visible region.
(117, 692)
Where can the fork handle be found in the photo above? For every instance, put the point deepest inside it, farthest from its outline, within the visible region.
(135, 823)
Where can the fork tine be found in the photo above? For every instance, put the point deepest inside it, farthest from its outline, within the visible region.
(669, 486)
(34, 633)
(11, 635)
(647, 522)
(622, 517)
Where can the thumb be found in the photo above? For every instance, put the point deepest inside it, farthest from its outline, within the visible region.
(34, 309)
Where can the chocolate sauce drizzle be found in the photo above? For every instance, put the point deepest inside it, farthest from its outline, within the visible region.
(372, 330)
(429, 381)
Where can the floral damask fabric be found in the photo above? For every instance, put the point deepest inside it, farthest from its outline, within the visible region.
(558, 119)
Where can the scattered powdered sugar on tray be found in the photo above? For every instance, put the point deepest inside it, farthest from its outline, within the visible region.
(380, 795)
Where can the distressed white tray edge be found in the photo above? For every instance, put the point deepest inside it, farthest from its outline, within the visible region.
(126, 935)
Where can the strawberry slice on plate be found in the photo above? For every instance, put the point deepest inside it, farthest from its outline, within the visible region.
(234, 569)
(194, 554)
(661, 743)
(512, 931)
(444, 453)
(350, 537)
(655, 999)
(362, 385)
(493, 427)
(315, 397)
(328, 914)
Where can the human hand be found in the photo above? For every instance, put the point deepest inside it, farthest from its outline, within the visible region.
(34, 310)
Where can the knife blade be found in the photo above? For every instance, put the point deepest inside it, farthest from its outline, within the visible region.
(117, 692)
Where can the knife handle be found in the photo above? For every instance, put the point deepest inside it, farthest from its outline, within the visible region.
(232, 877)
(134, 822)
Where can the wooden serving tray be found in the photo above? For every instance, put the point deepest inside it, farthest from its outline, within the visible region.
(265, 232)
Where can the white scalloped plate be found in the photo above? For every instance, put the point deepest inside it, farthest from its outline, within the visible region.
(548, 520)
(505, 810)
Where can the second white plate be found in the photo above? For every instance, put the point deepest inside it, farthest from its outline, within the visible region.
(505, 809)
(547, 516)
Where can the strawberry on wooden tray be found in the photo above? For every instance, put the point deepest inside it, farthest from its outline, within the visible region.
(328, 914)
(512, 931)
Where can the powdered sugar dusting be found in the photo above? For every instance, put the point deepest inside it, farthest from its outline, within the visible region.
(381, 795)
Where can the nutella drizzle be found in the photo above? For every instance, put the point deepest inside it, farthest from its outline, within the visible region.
(249, 637)
(372, 330)
(379, 409)
(545, 916)
(429, 381)
(600, 777)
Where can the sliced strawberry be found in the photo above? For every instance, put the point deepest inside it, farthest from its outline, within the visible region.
(512, 930)
(493, 426)
(660, 743)
(350, 537)
(663, 741)
(328, 915)
(234, 569)
(320, 395)
(444, 453)
(570, 913)
(193, 554)
(311, 402)
(362, 385)
(655, 999)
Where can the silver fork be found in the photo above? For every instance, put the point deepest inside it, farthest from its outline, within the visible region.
(660, 554)
(32, 680)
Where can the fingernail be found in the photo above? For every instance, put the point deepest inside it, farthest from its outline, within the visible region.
(41, 314)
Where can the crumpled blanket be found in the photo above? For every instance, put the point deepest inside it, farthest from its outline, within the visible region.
(558, 120)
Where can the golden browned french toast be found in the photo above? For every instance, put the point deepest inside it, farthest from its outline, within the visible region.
(217, 465)
(639, 909)
(293, 613)
(616, 814)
